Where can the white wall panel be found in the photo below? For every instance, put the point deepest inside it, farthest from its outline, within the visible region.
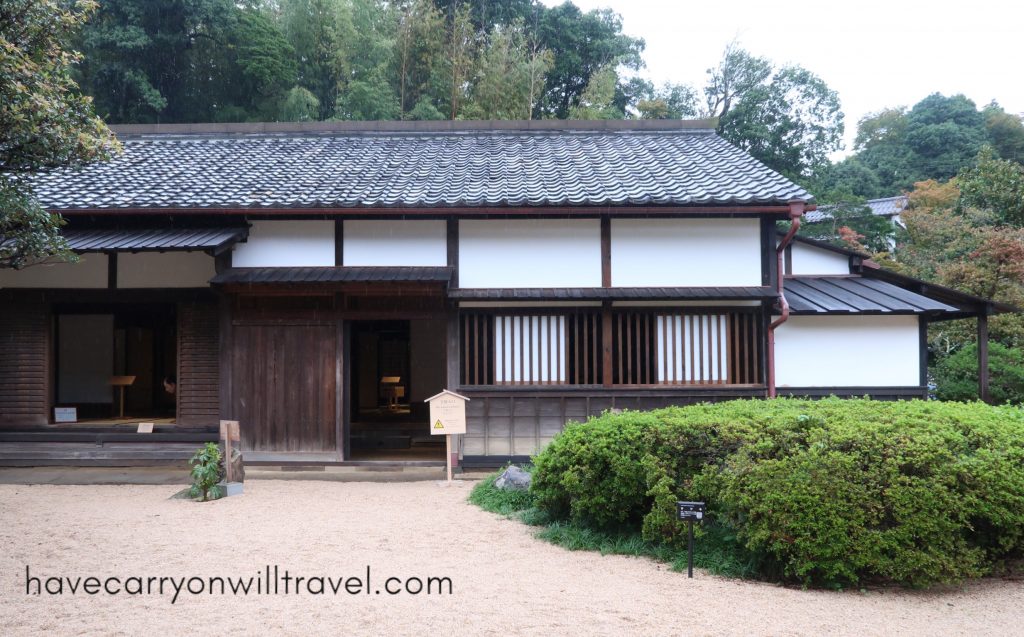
(409, 243)
(534, 253)
(164, 270)
(286, 243)
(89, 272)
(810, 260)
(686, 252)
(847, 351)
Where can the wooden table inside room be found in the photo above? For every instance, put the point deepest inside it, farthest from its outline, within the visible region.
(121, 382)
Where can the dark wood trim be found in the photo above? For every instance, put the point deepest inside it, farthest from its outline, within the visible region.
(922, 329)
(452, 246)
(607, 338)
(105, 295)
(606, 252)
(542, 211)
(878, 393)
(222, 261)
(788, 257)
(769, 263)
(341, 390)
(339, 242)
(226, 357)
(983, 374)
(111, 270)
(345, 442)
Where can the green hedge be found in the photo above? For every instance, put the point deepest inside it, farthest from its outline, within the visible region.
(956, 375)
(832, 492)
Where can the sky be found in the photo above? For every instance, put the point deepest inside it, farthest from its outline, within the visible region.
(875, 54)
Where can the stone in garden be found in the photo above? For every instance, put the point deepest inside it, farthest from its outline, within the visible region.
(513, 478)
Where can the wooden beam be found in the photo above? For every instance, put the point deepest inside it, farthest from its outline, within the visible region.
(606, 344)
(923, 349)
(606, 252)
(111, 270)
(339, 242)
(453, 251)
(983, 380)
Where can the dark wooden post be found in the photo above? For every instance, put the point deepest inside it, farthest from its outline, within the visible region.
(606, 344)
(983, 392)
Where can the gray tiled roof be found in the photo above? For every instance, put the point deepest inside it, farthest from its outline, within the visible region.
(493, 168)
(887, 207)
(654, 293)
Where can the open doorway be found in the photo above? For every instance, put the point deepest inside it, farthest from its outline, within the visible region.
(100, 349)
(395, 366)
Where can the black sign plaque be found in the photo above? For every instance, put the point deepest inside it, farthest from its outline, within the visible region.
(691, 511)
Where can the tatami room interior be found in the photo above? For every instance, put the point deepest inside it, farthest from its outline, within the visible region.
(98, 349)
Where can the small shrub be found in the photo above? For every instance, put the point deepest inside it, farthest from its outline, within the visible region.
(206, 473)
(507, 502)
(956, 375)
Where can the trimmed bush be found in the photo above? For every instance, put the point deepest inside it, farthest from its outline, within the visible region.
(832, 492)
(956, 375)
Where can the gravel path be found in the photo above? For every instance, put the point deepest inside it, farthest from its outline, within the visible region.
(504, 582)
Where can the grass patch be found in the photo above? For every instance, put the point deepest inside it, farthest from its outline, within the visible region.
(712, 551)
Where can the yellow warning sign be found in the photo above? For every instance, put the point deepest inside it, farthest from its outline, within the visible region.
(448, 411)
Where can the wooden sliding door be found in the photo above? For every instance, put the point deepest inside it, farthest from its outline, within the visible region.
(286, 385)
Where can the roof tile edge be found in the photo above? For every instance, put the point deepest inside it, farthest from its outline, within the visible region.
(442, 126)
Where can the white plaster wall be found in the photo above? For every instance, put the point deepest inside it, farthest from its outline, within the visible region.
(286, 243)
(686, 252)
(810, 260)
(89, 272)
(533, 253)
(164, 270)
(847, 351)
(410, 243)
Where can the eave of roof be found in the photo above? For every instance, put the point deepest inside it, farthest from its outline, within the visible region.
(586, 294)
(215, 240)
(336, 274)
(855, 295)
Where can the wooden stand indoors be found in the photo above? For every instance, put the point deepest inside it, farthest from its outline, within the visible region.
(122, 382)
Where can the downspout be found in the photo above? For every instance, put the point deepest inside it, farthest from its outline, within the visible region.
(796, 211)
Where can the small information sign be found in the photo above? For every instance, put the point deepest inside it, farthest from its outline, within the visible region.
(145, 428)
(65, 414)
(691, 511)
(447, 413)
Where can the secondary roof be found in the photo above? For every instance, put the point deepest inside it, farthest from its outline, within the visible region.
(416, 165)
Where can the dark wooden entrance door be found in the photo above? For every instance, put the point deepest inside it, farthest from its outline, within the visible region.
(285, 389)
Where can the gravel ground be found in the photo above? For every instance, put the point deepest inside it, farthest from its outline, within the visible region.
(504, 582)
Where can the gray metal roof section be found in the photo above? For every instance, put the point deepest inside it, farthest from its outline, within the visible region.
(339, 274)
(154, 240)
(855, 295)
(580, 294)
(432, 169)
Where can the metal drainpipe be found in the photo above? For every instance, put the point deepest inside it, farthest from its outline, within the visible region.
(796, 210)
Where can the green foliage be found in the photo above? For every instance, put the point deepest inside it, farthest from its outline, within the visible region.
(598, 100)
(996, 185)
(851, 225)
(956, 375)
(832, 492)
(300, 105)
(507, 502)
(206, 473)
(45, 122)
(1005, 132)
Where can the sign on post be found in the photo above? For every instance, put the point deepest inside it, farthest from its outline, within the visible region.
(229, 433)
(447, 417)
(690, 512)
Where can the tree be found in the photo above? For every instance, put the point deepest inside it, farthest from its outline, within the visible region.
(672, 101)
(786, 117)
(371, 92)
(300, 105)
(581, 45)
(510, 72)
(321, 31)
(851, 224)
(995, 185)
(1005, 132)
(598, 100)
(157, 61)
(457, 64)
(944, 134)
(45, 122)
(419, 42)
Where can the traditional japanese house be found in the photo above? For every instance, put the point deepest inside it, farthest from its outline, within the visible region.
(318, 281)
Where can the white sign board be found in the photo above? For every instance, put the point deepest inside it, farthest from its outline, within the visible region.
(447, 413)
(65, 414)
